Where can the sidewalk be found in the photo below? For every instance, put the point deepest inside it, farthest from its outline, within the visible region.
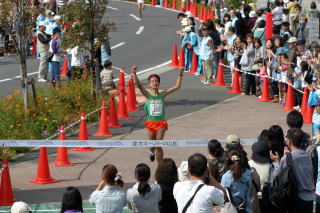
(241, 115)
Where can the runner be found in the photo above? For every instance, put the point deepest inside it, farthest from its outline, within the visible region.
(141, 6)
(156, 124)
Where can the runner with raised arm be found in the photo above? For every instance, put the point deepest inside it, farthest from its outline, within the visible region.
(156, 124)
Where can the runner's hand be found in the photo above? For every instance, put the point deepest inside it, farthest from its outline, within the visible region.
(134, 69)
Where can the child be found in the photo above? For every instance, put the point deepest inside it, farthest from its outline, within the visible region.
(283, 68)
(107, 77)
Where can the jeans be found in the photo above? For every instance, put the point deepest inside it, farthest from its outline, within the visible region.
(250, 84)
(199, 69)
(187, 59)
(55, 71)
(43, 66)
(215, 63)
(300, 31)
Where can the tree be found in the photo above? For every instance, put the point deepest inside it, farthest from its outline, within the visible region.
(18, 16)
(84, 20)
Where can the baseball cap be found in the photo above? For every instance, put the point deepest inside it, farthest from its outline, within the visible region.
(57, 17)
(232, 139)
(285, 23)
(301, 42)
(42, 23)
(292, 40)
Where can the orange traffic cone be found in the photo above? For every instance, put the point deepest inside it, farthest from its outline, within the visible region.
(122, 107)
(236, 83)
(103, 122)
(175, 60)
(201, 12)
(182, 9)
(64, 70)
(194, 65)
(131, 101)
(308, 118)
(174, 5)
(6, 194)
(62, 153)
(304, 104)
(289, 99)
(187, 6)
(153, 3)
(166, 4)
(112, 113)
(204, 17)
(121, 82)
(220, 76)
(34, 46)
(191, 7)
(83, 134)
(43, 174)
(181, 58)
(265, 95)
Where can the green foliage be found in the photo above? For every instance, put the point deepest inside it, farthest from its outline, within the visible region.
(57, 106)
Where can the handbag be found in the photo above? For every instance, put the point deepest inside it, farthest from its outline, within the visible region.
(50, 56)
(244, 61)
(191, 199)
(228, 206)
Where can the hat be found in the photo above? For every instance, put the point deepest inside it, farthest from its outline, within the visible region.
(260, 152)
(189, 14)
(187, 29)
(232, 139)
(57, 17)
(204, 27)
(252, 14)
(20, 207)
(285, 23)
(301, 42)
(42, 23)
(183, 171)
(292, 40)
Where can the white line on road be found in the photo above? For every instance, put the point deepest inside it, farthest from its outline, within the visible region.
(112, 8)
(32, 73)
(117, 45)
(140, 30)
(7, 79)
(135, 17)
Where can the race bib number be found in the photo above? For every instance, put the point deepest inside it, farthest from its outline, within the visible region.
(156, 109)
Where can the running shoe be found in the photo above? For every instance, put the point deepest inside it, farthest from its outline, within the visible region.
(152, 156)
(206, 82)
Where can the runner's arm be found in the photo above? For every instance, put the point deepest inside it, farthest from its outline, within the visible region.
(143, 91)
(176, 86)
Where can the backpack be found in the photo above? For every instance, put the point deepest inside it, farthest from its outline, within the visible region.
(284, 188)
(313, 152)
(266, 204)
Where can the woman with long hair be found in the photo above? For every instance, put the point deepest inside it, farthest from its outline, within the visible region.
(276, 140)
(144, 196)
(166, 176)
(108, 197)
(71, 201)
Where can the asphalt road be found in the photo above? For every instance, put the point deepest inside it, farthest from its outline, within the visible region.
(145, 41)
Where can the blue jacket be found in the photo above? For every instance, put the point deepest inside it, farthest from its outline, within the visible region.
(240, 190)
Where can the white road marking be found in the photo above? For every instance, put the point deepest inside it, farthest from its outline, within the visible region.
(117, 45)
(135, 17)
(113, 8)
(7, 79)
(32, 73)
(140, 30)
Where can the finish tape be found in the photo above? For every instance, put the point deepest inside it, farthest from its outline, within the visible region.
(112, 143)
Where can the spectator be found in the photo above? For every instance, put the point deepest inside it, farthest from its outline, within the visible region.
(285, 33)
(238, 181)
(295, 120)
(205, 197)
(57, 50)
(314, 101)
(291, 6)
(52, 5)
(108, 197)
(301, 18)
(227, 22)
(276, 140)
(188, 42)
(229, 47)
(144, 196)
(303, 53)
(302, 171)
(20, 207)
(183, 171)
(206, 55)
(166, 176)
(43, 43)
(246, 65)
(260, 31)
(215, 159)
(277, 17)
(107, 76)
(78, 58)
(313, 23)
(71, 201)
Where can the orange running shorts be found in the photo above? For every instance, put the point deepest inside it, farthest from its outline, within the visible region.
(154, 126)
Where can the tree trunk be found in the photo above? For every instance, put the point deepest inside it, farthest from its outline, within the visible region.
(23, 71)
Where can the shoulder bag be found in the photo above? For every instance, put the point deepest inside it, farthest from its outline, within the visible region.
(191, 199)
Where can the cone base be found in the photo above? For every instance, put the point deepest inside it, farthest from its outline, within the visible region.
(219, 84)
(43, 181)
(174, 65)
(263, 100)
(7, 203)
(287, 108)
(62, 164)
(234, 92)
(124, 116)
(82, 149)
(115, 125)
(103, 134)
(133, 109)
(307, 122)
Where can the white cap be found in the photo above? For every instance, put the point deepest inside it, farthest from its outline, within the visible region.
(57, 17)
(20, 207)
(183, 171)
(252, 14)
(189, 14)
(42, 23)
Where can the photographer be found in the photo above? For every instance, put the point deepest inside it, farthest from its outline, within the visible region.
(108, 197)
